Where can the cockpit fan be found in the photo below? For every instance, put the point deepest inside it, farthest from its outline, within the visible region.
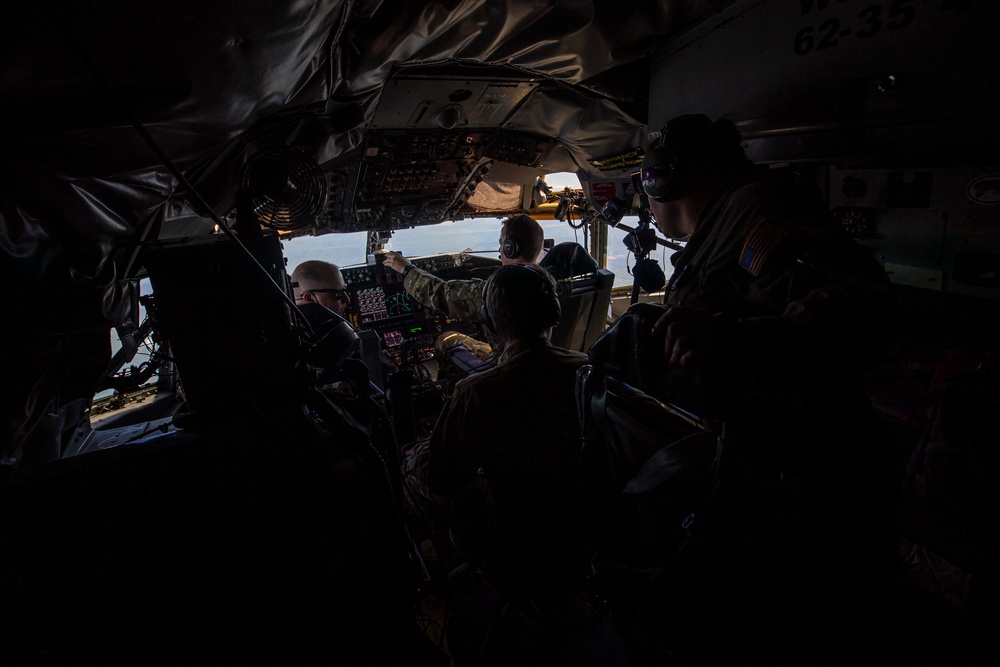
(285, 189)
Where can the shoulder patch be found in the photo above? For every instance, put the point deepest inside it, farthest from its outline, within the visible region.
(759, 245)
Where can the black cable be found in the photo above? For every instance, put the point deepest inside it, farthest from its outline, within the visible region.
(569, 219)
(393, 491)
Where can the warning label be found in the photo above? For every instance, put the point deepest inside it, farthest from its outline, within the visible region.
(618, 161)
(603, 192)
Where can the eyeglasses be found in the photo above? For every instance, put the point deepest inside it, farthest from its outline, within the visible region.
(341, 294)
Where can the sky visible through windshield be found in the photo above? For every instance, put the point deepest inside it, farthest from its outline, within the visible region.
(478, 235)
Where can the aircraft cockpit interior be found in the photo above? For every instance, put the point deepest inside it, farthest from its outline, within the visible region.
(408, 328)
(772, 231)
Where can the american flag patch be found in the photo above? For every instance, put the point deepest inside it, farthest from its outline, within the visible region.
(760, 243)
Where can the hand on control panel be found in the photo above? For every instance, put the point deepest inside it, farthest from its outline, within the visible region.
(395, 261)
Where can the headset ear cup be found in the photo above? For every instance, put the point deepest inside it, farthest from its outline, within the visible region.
(555, 309)
(510, 248)
(484, 312)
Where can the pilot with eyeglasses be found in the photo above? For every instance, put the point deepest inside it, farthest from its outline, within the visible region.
(322, 283)
(315, 281)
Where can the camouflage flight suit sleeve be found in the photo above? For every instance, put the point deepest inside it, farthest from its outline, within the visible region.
(828, 294)
(459, 299)
(796, 284)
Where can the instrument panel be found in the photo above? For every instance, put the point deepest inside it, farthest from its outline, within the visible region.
(407, 329)
(418, 177)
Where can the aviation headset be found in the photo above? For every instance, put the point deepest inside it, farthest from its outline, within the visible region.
(529, 278)
(689, 146)
(509, 246)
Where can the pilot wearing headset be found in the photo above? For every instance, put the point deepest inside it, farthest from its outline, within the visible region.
(754, 246)
(517, 423)
(521, 239)
(774, 298)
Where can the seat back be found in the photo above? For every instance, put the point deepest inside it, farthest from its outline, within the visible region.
(568, 259)
(629, 352)
(657, 467)
(229, 328)
(584, 301)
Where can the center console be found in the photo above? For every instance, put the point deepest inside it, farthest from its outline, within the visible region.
(408, 329)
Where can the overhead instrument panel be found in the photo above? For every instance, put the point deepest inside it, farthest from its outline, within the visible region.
(412, 178)
(451, 97)
(419, 177)
(436, 134)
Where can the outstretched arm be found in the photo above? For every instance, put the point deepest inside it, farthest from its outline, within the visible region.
(459, 299)
(396, 261)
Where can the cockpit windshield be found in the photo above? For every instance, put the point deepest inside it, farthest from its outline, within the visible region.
(476, 236)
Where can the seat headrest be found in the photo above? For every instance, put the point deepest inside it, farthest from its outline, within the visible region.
(568, 259)
(334, 339)
(628, 352)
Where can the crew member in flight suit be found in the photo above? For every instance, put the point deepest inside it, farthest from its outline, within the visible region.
(777, 305)
(517, 423)
(504, 471)
(317, 282)
(521, 239)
